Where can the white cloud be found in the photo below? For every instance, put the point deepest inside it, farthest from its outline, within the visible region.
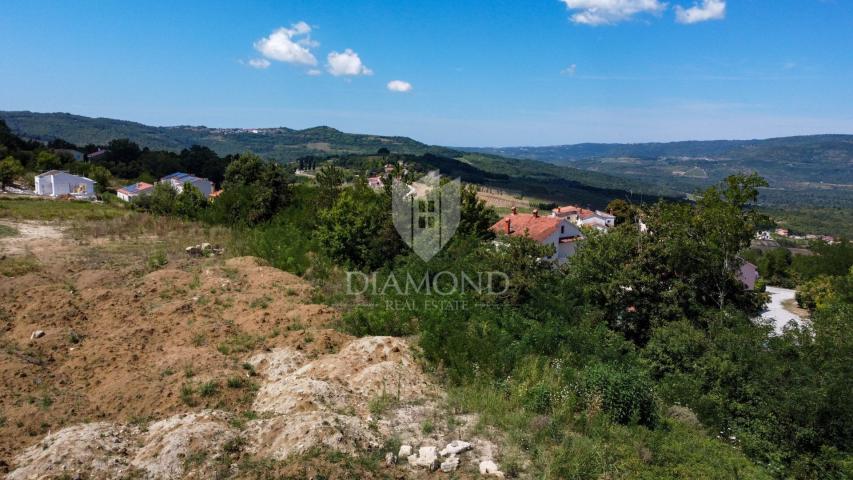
(314, 72)
(289, 45)
(399, 86)
(260, 63)
(570, 70)
(347, 63)
(707, 10)
(608, 12)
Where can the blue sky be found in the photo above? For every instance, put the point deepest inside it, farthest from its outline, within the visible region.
(525, 72)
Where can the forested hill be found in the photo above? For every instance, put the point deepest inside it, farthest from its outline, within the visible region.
(277, 143)
(814, 158)
(540, 179)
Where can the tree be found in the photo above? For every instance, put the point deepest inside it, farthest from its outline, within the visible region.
(190, 202)
(330, 179)
(357, 230)
(101, 176)
(686, 264)
(10, 169)
(475, 217)
(47, 160)
(254, 189)
(161, 200)
(622, 210)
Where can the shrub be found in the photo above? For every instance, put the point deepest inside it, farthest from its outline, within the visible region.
(625, 394)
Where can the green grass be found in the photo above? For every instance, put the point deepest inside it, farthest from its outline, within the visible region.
(18, 265)
(7, 231)
(44, 209)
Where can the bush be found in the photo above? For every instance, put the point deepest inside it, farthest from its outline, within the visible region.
(625, 394)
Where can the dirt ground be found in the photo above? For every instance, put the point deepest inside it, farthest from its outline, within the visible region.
(125, 355)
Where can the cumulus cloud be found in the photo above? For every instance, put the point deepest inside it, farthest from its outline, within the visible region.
(609, 12)
(399, 86)
(347, 63)
(570, 70)
(289, 45)
(707, 10)
(259, 63)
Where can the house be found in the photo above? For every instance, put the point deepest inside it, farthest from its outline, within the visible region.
(96, 155)
(56, 183)
(584, 217)
(375, 183)
(782, 232)
(129, 192)
(558, 232)
(177, 181)
(748, 275)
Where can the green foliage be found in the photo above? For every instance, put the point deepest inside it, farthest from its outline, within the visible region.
(47, 160)
(10, 169)
(190, 203)
(626, 395)
(358, 231)
(254, 190)
(329, 180)
(475, 218)
(687, 263)
(816, 293)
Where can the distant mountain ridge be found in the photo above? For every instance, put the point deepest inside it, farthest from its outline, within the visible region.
(811, 158)
(279, 143)
(531, 178)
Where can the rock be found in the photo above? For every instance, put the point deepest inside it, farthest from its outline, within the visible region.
(455, 447)
(426, 457)
(405, 451)
(451, 464)
(390, 459)
(37, 334)
(488, 467)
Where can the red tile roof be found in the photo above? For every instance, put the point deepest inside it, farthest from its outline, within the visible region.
(536, 227)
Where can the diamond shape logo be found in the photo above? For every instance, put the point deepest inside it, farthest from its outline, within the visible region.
(426, 213)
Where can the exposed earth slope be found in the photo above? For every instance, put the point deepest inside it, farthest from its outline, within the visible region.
(122, 356)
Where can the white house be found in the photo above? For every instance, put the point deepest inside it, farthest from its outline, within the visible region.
(177, 181)
(55, 183)
(558, 232)
(129, 192)
(583, 217)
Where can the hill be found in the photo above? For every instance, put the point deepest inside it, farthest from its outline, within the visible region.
(278, 143)
(816, 169)
(540, 180)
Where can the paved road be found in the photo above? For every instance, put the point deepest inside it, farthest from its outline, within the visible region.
(776, 313)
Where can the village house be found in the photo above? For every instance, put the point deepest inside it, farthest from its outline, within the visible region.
(748, 275)
(584, 217)
(57, 183)
(375, 183)
(129, 192)
(177, 181)
(558, 232)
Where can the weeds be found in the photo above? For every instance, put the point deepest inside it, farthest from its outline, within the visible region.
(18, 265)
(209, 389)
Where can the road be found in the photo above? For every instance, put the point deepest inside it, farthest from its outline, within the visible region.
(776, 313)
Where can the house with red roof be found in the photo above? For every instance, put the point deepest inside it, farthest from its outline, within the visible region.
(584, 217)
(129, 192)
(558, 232)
